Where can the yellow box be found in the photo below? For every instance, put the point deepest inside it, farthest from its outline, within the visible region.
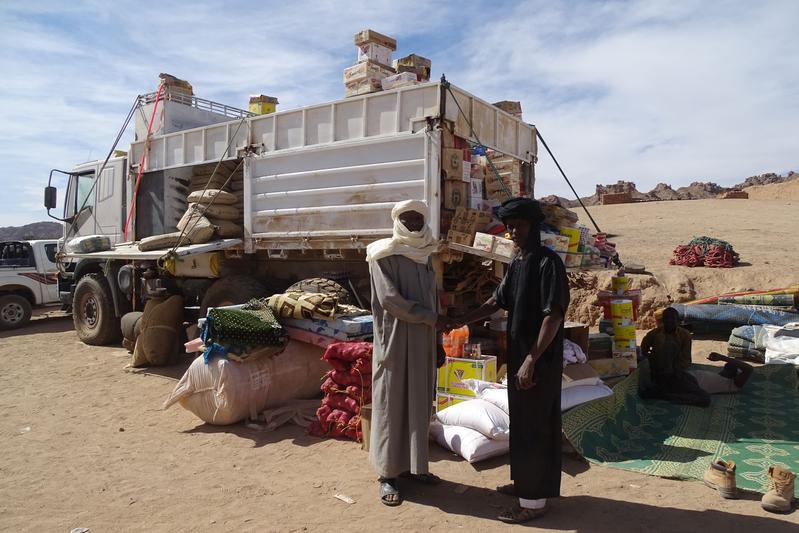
(574, 238)
(620, 309)
(444, 400)
(610, 367)
(623, 331)
(262, 104)
(456, 369)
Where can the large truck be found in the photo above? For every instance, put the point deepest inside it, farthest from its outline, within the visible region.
(317, 186)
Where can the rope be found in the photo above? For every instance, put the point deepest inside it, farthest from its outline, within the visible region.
(143, 158)
(448, 86)
(105, 163)
(541, 138)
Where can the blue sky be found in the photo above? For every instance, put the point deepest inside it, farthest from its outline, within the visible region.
(672, 91)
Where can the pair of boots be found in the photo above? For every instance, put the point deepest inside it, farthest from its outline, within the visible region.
(720, 475)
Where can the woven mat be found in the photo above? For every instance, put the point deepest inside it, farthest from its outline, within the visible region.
(756, 428)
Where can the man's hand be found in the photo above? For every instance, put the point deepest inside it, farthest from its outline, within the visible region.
(524, 377)
(444, 323)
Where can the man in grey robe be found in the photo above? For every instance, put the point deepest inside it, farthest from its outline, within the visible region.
(406, 315)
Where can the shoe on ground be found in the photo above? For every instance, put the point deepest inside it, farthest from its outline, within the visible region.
(780, 498)
(720, 475)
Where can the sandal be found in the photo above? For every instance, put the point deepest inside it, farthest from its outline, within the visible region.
(425, 479)
(509, 489)
(519, 515)
(389, 488)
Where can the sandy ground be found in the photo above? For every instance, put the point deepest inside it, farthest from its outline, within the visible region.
(763, 232)
(85, 444)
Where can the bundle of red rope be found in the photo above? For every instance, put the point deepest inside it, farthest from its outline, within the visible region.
(705, 251)
(347, 388)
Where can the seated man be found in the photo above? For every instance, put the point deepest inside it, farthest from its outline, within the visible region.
(667, 374)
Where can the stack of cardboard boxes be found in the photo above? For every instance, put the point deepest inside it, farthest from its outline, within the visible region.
(375, 70)
(452, 388)
(373, 65)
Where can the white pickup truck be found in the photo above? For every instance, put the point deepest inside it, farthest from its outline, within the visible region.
(28, 278)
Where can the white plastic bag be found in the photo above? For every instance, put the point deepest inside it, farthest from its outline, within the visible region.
(225, 392)
(782, 344)
(478, 415)
(468, 443)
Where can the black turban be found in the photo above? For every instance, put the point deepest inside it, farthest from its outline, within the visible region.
(521, 208)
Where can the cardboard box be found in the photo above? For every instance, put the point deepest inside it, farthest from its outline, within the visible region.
(456, 194)
(470, 220)
(366, 70)
(504, 247)
(418, 65)
(444, 400)
(578, 374)
(610, 368)
(395, 81)
(577, 333)
(261, 104)
(484, 242)
(370, 85)
(455, 162)
(371, 36)
(510, 107)
(460, 238)
(455, 370)
(629, 355)
(374, 52)
(476, 188)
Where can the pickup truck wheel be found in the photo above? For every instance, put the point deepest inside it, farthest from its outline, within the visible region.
(93, 312)
(15, 311)
(324, 286)
(232, 290)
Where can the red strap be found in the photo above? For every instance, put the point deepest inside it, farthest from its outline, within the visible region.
(143, 158)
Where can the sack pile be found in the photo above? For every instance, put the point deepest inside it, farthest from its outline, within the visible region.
(707, 252)
(347, 388)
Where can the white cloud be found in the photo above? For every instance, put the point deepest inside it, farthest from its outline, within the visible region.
(645, 91)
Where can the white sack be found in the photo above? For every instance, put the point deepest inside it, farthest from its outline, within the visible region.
(575, 396)
(498, 397)
(225, 392)
(478, 415)
(468, 443)
(782, 344)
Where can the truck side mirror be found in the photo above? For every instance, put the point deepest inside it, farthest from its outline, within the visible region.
(50, 197)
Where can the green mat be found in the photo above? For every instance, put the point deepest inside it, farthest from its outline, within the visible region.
(756, 428)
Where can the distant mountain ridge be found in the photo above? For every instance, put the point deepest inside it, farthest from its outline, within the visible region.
(697, 190)
(36, 230)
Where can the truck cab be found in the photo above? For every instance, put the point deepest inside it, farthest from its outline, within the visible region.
(28, 279)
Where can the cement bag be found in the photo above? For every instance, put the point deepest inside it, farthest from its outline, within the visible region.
(225, 392)
(222, 212)
(200, 234)
(160, 327)
(479, 415)
(468, 443)
(218, 197)
(89, 244)
(227, 228)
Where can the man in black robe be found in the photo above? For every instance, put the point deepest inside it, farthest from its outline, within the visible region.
(535, 292)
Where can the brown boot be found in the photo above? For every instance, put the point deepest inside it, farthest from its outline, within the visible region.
(780, 497)
(720, 475)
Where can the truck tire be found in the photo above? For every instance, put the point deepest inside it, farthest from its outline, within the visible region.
(15, 311)
(93, 312)
(324, 286)
(232, 290)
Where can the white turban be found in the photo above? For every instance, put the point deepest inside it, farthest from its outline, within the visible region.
(415, 245)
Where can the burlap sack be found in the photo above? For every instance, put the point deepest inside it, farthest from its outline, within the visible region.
(223, 212)
(202, 233)
(304, 305)
(218, 197)
(159, 339)
(227, 228)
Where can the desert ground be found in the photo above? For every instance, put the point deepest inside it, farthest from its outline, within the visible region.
(85, 443)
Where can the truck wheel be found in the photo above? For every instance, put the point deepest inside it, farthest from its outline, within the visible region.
(324, 286)
(232, 290)
(93, 312)
(15, 311)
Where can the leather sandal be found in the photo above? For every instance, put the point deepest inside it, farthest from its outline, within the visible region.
(519, 515)
(425, 479)
(388, 488)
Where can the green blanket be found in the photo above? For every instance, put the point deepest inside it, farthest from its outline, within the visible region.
(756, 428)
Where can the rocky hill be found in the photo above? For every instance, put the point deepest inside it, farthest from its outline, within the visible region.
(36, 230)
(697, 190)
